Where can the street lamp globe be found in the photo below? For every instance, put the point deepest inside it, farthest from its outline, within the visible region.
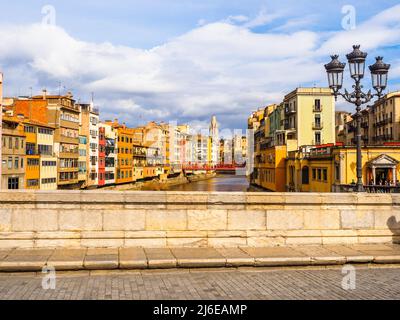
(379, 73)
(357, 63)
(335, 69)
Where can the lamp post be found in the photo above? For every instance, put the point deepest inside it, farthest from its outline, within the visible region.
(379, 72)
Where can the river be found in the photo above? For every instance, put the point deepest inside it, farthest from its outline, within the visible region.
(222, 182)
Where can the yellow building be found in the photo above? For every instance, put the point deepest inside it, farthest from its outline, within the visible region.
(333, 168)
(124, 137)
(269, 170)
(309, 117)
(32, 169)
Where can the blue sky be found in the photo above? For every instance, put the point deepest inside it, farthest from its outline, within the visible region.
(186, 60)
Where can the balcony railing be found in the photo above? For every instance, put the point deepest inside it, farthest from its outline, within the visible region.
(290, 110)
(290, 126)
(317, 125)
(317, 108)
(369, 188)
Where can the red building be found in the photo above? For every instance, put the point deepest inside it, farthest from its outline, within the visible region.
(102, 157)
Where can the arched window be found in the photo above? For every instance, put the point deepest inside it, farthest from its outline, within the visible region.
(305, 175)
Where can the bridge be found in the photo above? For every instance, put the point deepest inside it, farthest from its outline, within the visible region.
(223, 168)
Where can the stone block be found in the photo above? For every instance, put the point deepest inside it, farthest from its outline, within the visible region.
(132, 258)
(207, 219)
(303, 240)
(160, 258)
(124, 220)
(101, 259)
(321, 219)
(226, 242)
(102, 243)
(146, 242)
(25, 260)
(277, 256)
(148, 197)
(246, 220)
(57, 243)
(22, 220)
(235, 257)
(321, 256)
(285, 219)
(187, 242)
(45, 220)
(187, 197)
(265, 241)
(357, 219)
(199, 257)
(7, 243)
(67, 259)
(5, 220)
(161, 220)
(80, 220)
(388, 219)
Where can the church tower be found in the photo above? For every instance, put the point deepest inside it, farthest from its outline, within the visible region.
(214, 136)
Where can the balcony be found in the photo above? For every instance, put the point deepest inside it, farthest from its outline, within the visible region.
(70, 140)
(317, 125)
(317, 108)
(69, 155)
(290, 110)
(289, 126)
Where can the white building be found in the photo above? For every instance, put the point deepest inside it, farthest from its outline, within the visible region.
(111, 153)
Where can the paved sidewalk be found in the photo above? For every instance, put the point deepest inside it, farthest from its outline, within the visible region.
(18, 260)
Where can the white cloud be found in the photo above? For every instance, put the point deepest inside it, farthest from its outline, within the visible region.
(220, 68)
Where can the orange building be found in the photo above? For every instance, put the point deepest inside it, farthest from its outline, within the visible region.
(124, 162)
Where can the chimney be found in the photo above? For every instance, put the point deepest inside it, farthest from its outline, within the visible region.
(69, 94)
(44, 94)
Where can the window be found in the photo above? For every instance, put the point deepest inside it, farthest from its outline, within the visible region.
(16, 143)
(305, 175)
(16, 162)
(49, 163)
(9, 163)
(317, 105)
(49, 180)
(337, 172)
(325, 174)
(32, 182)
(13, 183)
(45, 149)
(318, 138)
(314, 174)
(30, 148)
(29, 129)
(45, 131)
(319, 174)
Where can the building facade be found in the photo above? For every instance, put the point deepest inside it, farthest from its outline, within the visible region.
(63, 115)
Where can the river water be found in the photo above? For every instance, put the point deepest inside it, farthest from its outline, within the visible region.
(223, 182)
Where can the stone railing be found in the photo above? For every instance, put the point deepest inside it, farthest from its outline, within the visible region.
(197, 219)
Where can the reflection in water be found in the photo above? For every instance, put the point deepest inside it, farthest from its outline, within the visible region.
(222, 182)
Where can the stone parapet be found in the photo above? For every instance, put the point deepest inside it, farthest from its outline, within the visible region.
(86, 219)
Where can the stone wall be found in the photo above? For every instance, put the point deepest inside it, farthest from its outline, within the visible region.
(197, 219)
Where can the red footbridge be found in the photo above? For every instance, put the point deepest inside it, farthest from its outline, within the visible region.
(217, 168)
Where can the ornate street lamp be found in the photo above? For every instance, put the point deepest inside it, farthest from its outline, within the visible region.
(379, 73)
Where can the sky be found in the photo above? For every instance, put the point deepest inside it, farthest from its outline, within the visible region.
(186, 60)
